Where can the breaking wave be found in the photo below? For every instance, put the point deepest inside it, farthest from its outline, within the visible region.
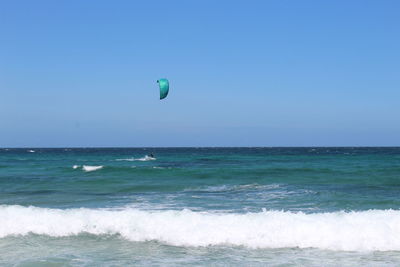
(145, 158)
(351, 231)
(87, 168)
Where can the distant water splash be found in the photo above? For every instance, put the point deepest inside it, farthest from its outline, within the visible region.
(373, 230)
(31, 151)
(87, 168)
(145, 158)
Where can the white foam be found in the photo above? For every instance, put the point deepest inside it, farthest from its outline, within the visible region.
(91, 168)
(75, 167)
(145, 158)
(31, 151)
(244, 187)
(353, 231)
(129, 159)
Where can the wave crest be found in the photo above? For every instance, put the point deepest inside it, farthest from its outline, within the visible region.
(87, 168)
(353, 231)
(145, 158)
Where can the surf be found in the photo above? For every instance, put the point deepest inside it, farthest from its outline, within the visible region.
(372, 230)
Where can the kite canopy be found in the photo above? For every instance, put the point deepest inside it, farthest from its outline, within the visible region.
(164, 87)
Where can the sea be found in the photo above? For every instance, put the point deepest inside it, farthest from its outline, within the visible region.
(259, 206)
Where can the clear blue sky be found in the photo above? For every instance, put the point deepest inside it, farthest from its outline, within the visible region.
(242, 73)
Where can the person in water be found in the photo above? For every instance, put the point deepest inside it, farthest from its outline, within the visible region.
(151, 155)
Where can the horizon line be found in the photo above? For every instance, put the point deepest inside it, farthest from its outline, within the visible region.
(113, 147)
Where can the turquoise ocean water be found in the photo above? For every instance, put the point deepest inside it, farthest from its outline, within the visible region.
(200, 207)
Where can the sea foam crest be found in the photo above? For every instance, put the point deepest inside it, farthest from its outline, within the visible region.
(87, 168)
(352, 231)
(145, 158)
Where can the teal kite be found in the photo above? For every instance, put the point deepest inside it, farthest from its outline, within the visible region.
(164, 87)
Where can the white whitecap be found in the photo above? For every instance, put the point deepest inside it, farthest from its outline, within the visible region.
(87, 168)
(145, 158)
